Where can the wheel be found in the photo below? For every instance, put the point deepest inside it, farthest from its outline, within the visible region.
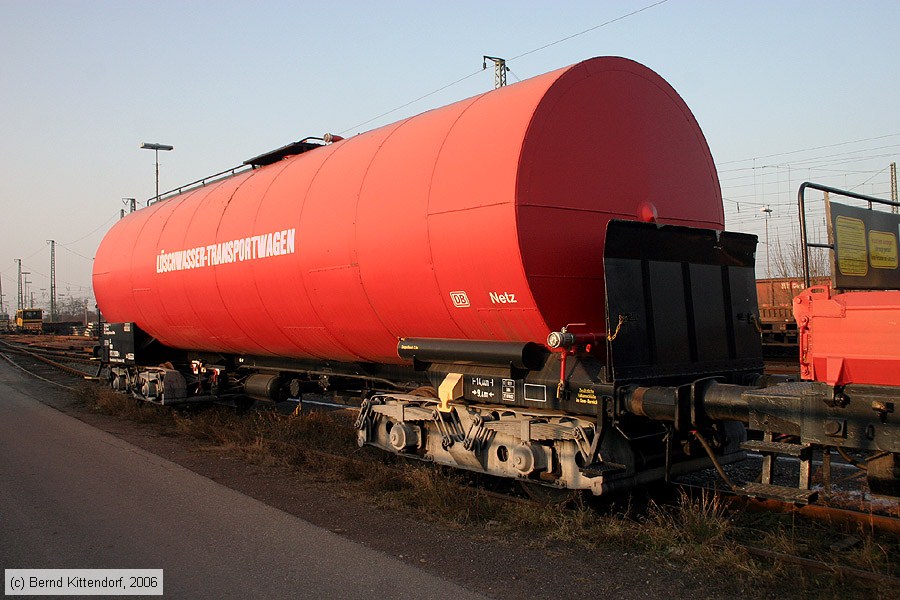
(549, 495)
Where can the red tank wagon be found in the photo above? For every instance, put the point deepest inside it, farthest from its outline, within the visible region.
(484, 219)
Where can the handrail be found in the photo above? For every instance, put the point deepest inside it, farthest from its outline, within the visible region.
(199, 183)
(801, 202)
(262, 160)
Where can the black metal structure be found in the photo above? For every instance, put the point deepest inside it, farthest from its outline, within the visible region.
(516, 355)
(680, 302)
(273, 156)
(801, 204)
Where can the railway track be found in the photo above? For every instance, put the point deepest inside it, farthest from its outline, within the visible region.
(47, 360)
(59, 368)
(54, 366)
(783, 366)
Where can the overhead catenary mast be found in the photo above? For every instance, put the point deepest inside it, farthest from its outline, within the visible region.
(52, 280)
(19, 297)
(894, 185)
(500, 70)
(25, 283)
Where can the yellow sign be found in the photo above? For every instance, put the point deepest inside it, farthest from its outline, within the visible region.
(586, 396)
(852, 257)
(882, 250)
(866, 248)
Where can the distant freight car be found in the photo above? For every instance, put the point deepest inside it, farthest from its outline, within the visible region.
(60, 327)
(775, 297)
(29, 320)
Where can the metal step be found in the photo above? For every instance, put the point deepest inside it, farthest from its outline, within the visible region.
(777, 492)
(604, 468)
(765, 447)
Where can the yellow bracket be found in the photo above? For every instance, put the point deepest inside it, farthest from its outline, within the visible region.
(450, 389)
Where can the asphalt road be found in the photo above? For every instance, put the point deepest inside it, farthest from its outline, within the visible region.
(72, 496)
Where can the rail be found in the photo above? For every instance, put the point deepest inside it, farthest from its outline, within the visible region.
(801, 202)
(37, 356)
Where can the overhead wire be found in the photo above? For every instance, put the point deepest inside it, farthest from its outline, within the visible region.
(789, 152)
(766, 180)
(76, 253)
(767, 187)
(742, 198)
(588, 30)
(474, 73)
(68, 283)
(812, 159)
(767, 184)
(65, 247)
(422, 97)
(869, 179)
(36, 252)
(32, 255)
(92, 232)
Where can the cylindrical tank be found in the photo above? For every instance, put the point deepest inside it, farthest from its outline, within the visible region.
(484, 219)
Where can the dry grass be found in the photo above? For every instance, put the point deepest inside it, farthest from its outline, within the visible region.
(692, 523)
(699, 533)
(433, 493)
(107, 402)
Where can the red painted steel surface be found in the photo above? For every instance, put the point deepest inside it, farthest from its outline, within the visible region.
(484, 219)
(849, 338)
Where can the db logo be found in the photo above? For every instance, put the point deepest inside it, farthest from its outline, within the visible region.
(460, 299)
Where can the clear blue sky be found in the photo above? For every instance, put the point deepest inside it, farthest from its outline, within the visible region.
(82, 84)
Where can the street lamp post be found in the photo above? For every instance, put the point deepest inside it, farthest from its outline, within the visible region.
(156, 148)
(768, 211)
